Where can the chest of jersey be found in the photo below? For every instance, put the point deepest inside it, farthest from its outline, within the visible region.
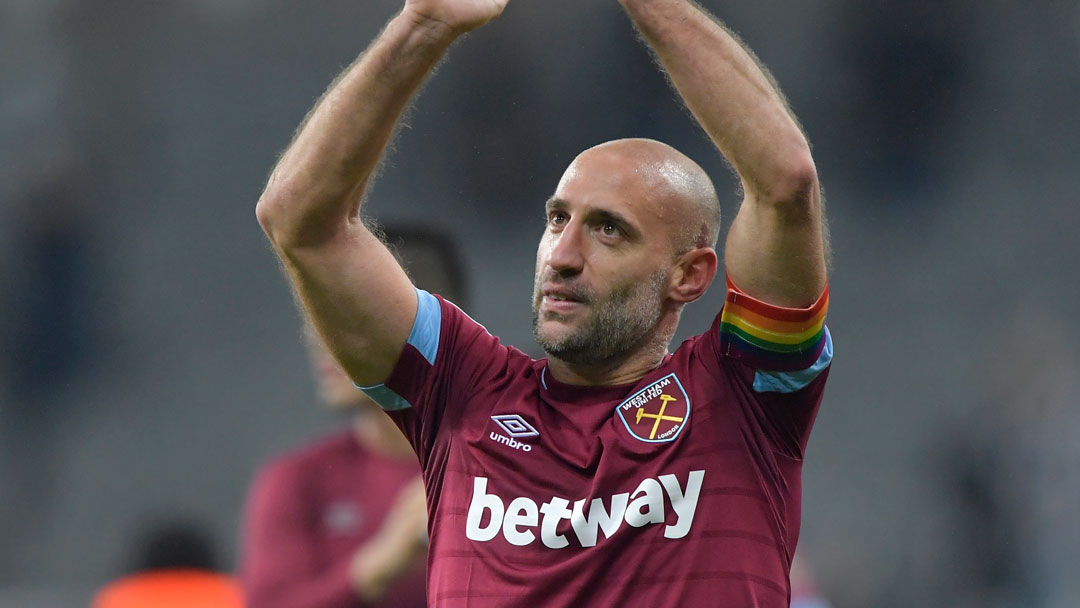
(540, 473)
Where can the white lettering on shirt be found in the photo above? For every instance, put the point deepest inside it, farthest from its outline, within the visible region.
(644, 506)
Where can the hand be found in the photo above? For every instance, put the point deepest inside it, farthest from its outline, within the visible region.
(400, 540)
(408, 517)
(459, 16)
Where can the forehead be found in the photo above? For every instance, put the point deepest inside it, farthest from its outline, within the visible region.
(616, 183)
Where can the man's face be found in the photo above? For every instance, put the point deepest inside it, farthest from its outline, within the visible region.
(603, 261)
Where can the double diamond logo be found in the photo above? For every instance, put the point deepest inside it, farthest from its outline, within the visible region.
(515, 426)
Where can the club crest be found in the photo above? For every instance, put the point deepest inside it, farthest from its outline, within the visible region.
(658, 412)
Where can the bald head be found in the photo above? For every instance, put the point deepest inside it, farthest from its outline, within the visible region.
(668, 178)
(627, 243)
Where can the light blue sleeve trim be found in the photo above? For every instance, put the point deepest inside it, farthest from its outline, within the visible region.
(424, 336)
(789, 382)
(385, 398)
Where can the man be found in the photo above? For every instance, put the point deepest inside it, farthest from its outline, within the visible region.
(611, 473)
(342, 522)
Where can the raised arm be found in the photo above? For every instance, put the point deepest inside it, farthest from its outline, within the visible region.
(358, 297)
(775, 248)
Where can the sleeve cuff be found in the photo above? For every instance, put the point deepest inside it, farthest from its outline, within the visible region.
(773, 338)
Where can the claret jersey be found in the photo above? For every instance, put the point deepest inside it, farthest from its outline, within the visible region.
(682, 489)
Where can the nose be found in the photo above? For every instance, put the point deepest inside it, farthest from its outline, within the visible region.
(566, 257)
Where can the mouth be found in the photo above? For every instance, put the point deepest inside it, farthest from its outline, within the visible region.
(561, 300)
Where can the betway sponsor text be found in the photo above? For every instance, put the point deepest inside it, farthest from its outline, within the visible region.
(518, 520)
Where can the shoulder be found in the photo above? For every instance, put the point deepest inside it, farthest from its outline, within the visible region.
(459, 336)
(441, 327)
(455, 320)
(447, 358)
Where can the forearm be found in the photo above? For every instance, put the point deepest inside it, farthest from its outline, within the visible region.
(319, 182)
(400, 542)
(380, 562)
(731, 95)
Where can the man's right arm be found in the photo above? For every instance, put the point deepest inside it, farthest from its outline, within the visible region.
(357, 296)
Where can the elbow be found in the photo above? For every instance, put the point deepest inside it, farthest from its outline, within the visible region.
(269, 212)
(795, 190)
(291, 220)
(266, 214)
(298, 211)
(284, 227)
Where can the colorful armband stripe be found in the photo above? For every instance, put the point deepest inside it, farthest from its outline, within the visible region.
(772, 337)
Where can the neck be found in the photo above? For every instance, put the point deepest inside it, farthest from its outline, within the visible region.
(626, 369)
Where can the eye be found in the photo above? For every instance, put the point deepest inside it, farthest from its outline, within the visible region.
(609, 229)
(557, 218)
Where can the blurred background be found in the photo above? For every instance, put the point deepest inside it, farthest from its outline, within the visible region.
(151, 355)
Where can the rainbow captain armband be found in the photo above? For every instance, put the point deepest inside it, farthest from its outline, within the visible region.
(789, 346)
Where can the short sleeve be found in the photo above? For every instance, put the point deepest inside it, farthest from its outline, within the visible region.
(446, 356)
(788, 347)
(778, 359)
(423, 341)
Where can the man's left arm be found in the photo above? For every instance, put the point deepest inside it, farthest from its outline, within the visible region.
(775, 249)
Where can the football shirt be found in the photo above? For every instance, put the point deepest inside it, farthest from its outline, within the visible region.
(682, 489)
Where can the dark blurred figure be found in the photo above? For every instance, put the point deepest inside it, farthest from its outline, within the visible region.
(342, 522)
(174, 566)
(51, 293)
(46, 336)
(1013, 473)
(174, 544)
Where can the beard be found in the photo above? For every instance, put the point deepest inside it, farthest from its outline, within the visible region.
(617, 324)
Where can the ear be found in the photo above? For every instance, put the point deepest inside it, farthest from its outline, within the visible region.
(692, 274)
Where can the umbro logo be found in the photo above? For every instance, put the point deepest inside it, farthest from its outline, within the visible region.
(515, 428)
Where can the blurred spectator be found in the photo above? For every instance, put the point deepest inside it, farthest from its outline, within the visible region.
(45, 337)
(343, 522)
(174, 568)
(171, 589)
(51, 293)
(174, 543)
